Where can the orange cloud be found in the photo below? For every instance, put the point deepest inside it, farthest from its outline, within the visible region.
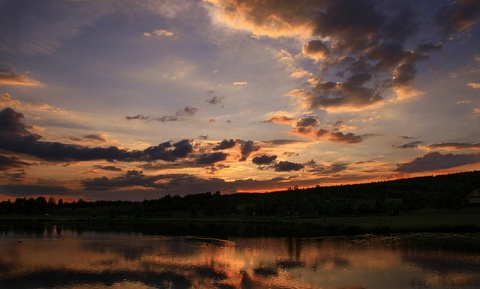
(8, 77)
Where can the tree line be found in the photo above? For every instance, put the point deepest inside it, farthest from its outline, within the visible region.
(385, 197)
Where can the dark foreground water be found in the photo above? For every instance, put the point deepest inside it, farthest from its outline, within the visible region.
(55, 258)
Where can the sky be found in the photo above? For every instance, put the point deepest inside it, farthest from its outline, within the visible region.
(133, 100)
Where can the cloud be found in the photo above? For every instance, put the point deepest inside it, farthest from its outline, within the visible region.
(458, 16)
(16, 138)
(286, 166)
(109, 168)
(474, 85)
(316, 49)
(179, 116)
(329, 169)
(210, 158)
(11, 162)
(427, 47)
(225, 144)
(8, 77)
(240, 83)
(436, 161)
(282, 119)
(409, 145)
(307, 121)
(159, 33)
(348, 138)
(454, 145)
(246, 148)
(264, 159)
(215, 100)
(305, 127)
(360, 40)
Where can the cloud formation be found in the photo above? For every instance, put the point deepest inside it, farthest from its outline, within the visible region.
(9, 77)
(264, 159)
(11, 162)
(16, 137)
(178, 116)
(436, 161)
(360, 41)
(286, 166)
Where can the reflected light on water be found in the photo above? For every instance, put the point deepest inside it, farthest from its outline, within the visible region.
(113, 260)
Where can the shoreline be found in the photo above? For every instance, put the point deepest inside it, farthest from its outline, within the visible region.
(300, 226)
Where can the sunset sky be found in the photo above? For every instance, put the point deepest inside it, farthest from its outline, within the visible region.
(134, 100)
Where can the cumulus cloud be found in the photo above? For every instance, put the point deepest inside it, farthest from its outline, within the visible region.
(436, 161)
(178, 116)
(16, 137)
(362, 41)
(264, 159)
(316, 49)
(210, 158)
(246, 147)
(225, 144)
(9, 77)
(286, 166)
(306, 127)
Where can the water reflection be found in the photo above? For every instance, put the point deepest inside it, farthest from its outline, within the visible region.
(61, 258)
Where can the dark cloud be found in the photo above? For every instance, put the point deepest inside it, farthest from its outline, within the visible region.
(16, 138)
(363, 41)
(348, 138)
(215, 100)
(427, 47)
(210, 158)
(131, 178)
(307, 121)
(436, 161)
(454, 145)
(179, 183)
(9, 162)
(203, 137)
(316, 49)
(246, 148)
(326, 169)
(286, 166)
(225, 144)
(179, 116)
(138, 116)
(95, 137)
(336, 136)
(264, 159)
(409, 145)
(109, 168)
(458, 16)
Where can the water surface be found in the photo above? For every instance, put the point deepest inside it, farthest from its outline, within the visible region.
(48, 257)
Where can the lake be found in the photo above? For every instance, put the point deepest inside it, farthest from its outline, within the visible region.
(55, 257)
